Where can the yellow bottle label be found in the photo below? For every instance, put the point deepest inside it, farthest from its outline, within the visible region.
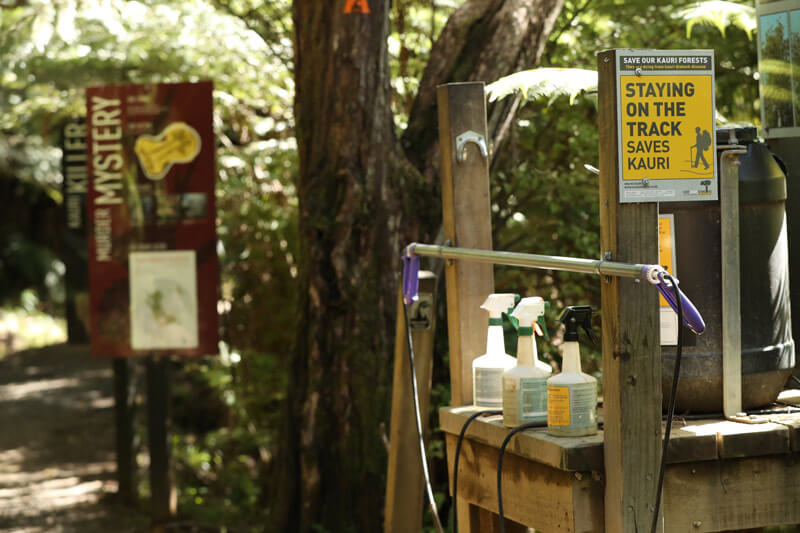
(558, 406)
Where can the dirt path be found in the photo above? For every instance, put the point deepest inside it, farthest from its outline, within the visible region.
(56, 444)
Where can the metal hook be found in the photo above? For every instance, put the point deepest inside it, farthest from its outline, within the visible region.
(468, 137)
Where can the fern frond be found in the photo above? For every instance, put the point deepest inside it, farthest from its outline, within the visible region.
(544, 82)
(720, 14)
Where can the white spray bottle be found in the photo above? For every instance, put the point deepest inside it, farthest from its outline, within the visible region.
(572, 395)
(525, 385)
(487, 370)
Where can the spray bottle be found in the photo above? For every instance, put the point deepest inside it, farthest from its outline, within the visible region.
(525, 385)
(572, 395)
(487, 370)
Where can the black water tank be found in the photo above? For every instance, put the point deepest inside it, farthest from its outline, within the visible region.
(767, 345)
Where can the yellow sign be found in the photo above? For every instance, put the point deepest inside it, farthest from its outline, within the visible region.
(667, 258)
(667, 127)
(665, 123)
(666, 252)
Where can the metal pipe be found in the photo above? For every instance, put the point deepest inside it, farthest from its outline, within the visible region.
(731, 292)
(551, 262)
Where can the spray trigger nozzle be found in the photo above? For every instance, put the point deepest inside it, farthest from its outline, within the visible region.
(530, 314)
(540, 327)
(499, 304)
(576, 316)
(512, 320)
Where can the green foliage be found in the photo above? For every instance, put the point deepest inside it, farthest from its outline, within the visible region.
(719, 14)
(416, 24)
(50, 52)
(544, 201)
(219, 447)
(547, 83)
(588, 26)
(25, 264)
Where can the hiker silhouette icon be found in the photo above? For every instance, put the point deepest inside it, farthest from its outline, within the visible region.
(702, 144)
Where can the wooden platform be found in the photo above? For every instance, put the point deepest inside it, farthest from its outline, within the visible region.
(722, 475)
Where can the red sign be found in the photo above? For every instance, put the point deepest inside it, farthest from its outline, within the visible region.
(153, 273)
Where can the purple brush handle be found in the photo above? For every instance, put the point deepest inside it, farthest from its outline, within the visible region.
(691, 316)
(410, 275)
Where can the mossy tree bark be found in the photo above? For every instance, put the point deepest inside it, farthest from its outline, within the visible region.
(362, 196)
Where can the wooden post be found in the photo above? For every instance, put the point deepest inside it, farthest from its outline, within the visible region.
(631, 340)
(404, 479)
(466, 220)
(163, 498)
(123, 422)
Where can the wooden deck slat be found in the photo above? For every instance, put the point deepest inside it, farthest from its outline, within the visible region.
(732, 494)
(534, 494)
(691, 441)
(578, 453)
(792, 424)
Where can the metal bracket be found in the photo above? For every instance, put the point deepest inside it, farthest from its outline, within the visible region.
(468, 137)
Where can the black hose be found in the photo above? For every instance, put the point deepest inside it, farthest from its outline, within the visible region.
(500, 469)
(472, 417)
(423, 455)
(672, 397)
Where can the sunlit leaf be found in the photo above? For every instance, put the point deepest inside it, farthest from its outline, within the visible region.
(544, 82)
(720, 14)
(43, 28)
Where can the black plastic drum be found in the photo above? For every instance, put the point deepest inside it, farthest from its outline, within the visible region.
(767, 345)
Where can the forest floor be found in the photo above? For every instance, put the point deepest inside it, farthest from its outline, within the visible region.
(57, 444)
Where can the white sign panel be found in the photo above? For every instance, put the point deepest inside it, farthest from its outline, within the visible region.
(163, 288)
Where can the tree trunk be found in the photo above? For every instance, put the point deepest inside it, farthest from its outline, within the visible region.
(349, 202)
(483, 40)
(360, 201)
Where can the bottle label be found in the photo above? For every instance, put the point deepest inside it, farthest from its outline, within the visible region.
(488, 387)
(510, 402)
(574, 406)
(533, 399)
(557, 406)
(583, 405)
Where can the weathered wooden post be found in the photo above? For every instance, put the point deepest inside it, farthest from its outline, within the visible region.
(467, 222)
(123, 424)
(631, 343)
(404, 479)
(163, 494)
